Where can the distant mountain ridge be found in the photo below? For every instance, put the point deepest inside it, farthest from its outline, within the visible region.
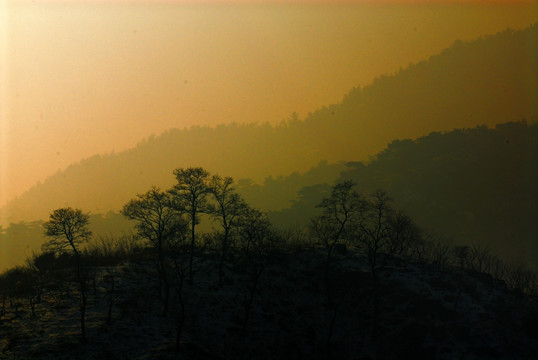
(466, 185)
(488, 81)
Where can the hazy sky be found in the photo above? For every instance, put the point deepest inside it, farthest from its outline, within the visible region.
(78, 79)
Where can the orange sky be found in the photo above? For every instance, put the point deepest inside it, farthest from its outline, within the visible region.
(331, 2)
(300, 1)
(80, 79)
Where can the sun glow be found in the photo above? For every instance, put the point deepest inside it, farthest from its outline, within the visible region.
(87, 77)
(4, 124)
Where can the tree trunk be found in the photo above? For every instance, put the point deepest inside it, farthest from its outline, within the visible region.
(82, 298)
(166, 292)
(330, 335)
(193, 220)
(375, 325)
(83, 314)
(248, 305)
(329, 284)
(180, 320)
(223, 256)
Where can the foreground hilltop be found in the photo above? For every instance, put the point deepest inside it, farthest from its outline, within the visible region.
(413, 306)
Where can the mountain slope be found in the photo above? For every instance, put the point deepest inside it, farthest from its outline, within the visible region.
(472, 185)
(488, 81)
(425, 312)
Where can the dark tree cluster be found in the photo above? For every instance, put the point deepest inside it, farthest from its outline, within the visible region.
(330, 288)
(168, 220)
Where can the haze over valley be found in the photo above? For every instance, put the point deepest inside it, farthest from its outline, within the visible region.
(296, 179)
(87, 78)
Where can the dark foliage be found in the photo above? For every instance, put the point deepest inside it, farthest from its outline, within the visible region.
(470, 185)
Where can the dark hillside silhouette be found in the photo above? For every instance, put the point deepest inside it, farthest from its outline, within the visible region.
(488, 81)
(364, 282)
(277, 193)
(272, 304)
(474, 185)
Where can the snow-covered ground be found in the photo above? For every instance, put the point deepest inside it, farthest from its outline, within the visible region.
(424, 313)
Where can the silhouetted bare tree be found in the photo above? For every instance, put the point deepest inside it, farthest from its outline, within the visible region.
(258, 240)
(478, 257)
(461, 255)
(374, 235)
(440, 252)
(178, 261)
(190, 195)
(67, 229)
(159, 223)
(340, 211)
(252, 225)
(403, 233)
(109, 282)
(228, 208)
(374, 226)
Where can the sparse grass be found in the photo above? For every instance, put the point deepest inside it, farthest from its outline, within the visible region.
(289, 302)
(109, 250)
(295, 239)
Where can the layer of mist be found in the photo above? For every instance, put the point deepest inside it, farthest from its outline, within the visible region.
(488, 81)
(468, 185)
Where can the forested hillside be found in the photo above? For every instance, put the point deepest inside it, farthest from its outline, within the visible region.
(471, 185)
(468, 185)
(488, 81)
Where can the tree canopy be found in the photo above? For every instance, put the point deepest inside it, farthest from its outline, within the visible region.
(67, 228)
